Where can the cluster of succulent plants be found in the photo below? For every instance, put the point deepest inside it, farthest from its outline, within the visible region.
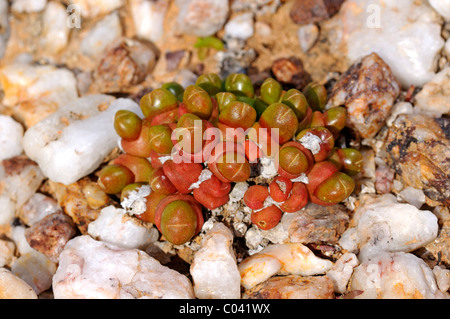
(247, 126)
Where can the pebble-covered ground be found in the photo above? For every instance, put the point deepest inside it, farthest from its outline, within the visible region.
(67, 67)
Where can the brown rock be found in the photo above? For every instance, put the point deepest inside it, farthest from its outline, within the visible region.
(316, 224)
(293, 287)
(50, 234)
(82, 201)
(174, 58)
(438, 251)
(418, 149)
(368, 90)
(124, 64)
(312, 11)
(290, 71)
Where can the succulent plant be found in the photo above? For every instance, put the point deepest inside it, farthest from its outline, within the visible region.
(160, 183)
(224, 98)
(239, 84)
(238, 114)
(316, 95)
(157, 102)
(127, 124)
(326, 141)
(228, 162)
(281, 117)
(266, 143)
(327, 185)
(349, 160)
(140, 146)
(160, 139)
(236, 128)
(271, 91)
(197, 101)
(190, 130)
(152, 202)
(140, 167)
(210, 82)
(178, 218)
(182, 175)
(232, 168)
(255, 196)
(212, 193)
(267, 217)
(280, 188)
(296, 100)
(113, 178)
(293, 159)
(296, 200)
(175, 88)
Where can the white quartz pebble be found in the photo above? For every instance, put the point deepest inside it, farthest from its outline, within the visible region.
(12, 287)
(18, 235)
(282, 259)
(37, 207)
(342, 271)
(268, 167)
(11, 133)
(34, 82)
(240, 27)
(93, 8)
(405, 34)
(442, 7)
(214, 269)
(148, 18)
(201, 17)
(35, 269)
(395, 276)
(434, 97)
(238, 191)
(35, 91)
(90, 269)
(442, 276)
(20, 178)
(55, 33)
(102, 33)
(307, 36)
(116, 227)
(413, 196)
(27, 6)
(385, 225)
(7, 249)
(74, 141)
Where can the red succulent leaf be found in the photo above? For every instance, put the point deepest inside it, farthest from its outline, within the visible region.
(267, 218)
(255, 196)
(188, 198)
(182, 175)
(297, 199)
(280, 188)
(320, 172)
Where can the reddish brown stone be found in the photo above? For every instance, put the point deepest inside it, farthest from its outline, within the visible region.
(316, 224)
(368, 90)
(50, 234)
(293, 287)
(124, 64)
(290, 71)
(312, 11)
